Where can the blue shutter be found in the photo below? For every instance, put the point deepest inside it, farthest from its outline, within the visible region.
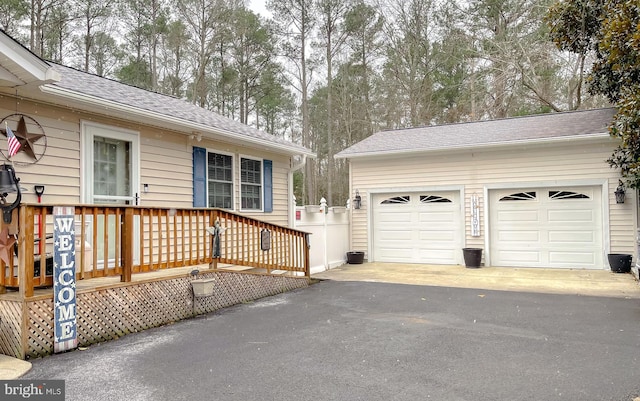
(267, 169)
(199, 177)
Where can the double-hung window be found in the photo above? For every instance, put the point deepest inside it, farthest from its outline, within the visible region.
(232, 182)
(220, 180)
(251, 184)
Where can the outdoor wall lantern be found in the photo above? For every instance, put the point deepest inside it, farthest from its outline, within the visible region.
(357, 201)
(620, 193)
(8, 184)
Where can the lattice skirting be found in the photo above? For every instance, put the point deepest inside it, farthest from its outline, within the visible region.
(10, 328)
(106, 314)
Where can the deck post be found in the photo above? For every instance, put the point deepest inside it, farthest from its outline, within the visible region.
(25, 254)
(213, 216)
(127, 245)
(307, 245)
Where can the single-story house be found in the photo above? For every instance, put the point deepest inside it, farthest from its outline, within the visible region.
(190, 210)
(531, 191)
(92, 140)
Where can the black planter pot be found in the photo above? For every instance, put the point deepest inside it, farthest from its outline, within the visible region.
(619, 262)
(472, 257)
(355, 257)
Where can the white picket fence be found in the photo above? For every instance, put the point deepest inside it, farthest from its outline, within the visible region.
(329, 228)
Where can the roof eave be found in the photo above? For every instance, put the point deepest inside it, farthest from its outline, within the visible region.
(163, 120)
(362, 155)
(27, 67)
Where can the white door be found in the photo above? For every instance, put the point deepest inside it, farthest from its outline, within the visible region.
(111, 165)
(547, 227)
(422, 227)
(111, 176)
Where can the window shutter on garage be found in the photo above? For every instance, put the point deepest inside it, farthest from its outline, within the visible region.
(267, 167)
(199, 177)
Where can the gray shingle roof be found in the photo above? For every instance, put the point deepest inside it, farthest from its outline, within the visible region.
(484, 133)
(168, 106)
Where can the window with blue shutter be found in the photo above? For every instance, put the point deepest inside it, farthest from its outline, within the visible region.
(256, 181)
(267, 166)
(251, 182)
(199, 177)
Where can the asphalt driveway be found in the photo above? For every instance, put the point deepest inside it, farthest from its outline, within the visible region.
(340, 340)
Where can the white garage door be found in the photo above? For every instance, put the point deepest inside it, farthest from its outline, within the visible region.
(417, 228)
(547, 227)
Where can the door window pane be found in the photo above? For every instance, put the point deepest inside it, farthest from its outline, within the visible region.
(111, 167)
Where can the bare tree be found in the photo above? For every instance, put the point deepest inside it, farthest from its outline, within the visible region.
(145, 21)
(296, 22)
(202, 19)
(11, 12)
(410, 64)
(39, 12)
(332, 38)
(174, 55)
(93, 14)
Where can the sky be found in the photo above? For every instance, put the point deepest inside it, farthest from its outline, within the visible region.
(259, 7)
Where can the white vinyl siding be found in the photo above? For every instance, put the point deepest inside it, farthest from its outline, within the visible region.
(536, 165)
(165, 162)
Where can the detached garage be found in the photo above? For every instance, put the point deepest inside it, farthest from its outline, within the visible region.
(531, 191)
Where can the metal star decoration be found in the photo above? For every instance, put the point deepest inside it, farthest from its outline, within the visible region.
(26, 138)
(34, 145)
(6, 245)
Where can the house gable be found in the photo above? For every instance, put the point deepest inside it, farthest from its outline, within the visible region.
(20, 67)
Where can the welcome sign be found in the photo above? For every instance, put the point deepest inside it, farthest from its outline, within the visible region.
(64, 279)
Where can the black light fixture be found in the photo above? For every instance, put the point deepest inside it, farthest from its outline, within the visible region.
(357, 201)
(8, 184)
(620, 192)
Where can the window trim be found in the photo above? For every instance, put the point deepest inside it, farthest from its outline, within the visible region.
(89, 130)
(233, 176)
(240, 183)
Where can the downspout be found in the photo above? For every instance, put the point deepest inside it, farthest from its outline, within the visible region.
(292, 199)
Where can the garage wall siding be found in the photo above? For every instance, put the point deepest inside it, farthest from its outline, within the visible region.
(165, 161)
(543, 164)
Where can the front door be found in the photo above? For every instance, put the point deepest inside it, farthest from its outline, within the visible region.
(111, 165)
(110, 177)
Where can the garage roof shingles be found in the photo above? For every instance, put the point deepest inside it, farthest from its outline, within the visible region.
(136, 98)
(484, 133)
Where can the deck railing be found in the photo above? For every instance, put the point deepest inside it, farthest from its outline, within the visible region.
(126, 240)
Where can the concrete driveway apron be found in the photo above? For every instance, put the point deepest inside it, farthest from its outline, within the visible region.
(554, 281)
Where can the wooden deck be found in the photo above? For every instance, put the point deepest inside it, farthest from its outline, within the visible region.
(108, 308)
(98, 283)
(123, 241)
(133, 270)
